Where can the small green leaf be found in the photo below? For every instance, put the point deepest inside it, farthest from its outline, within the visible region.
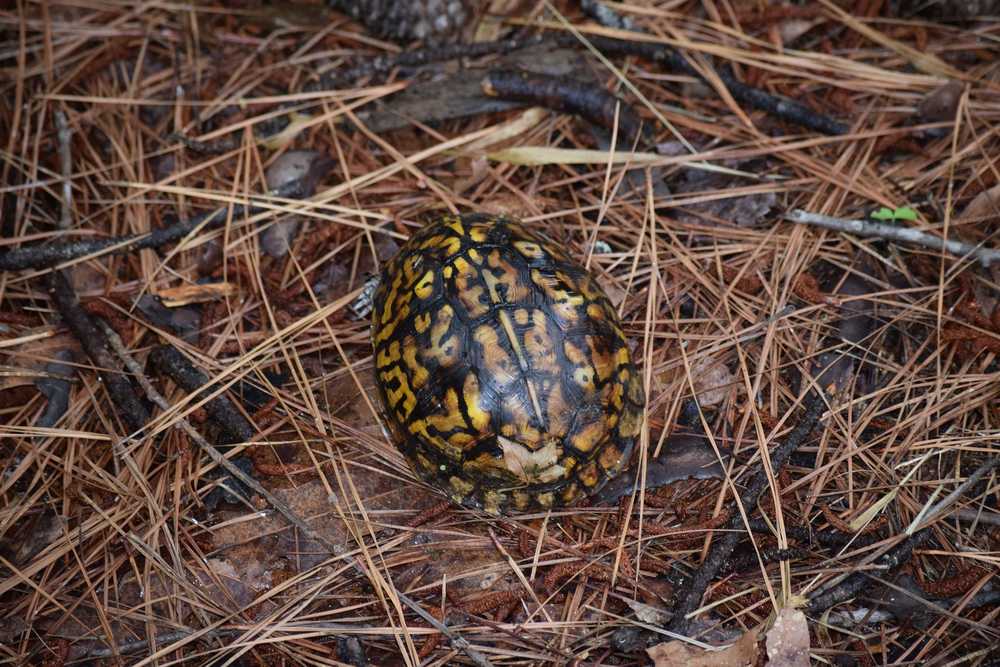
(904, 213)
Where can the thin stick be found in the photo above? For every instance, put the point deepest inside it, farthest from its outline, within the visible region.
(66, 162)
(986, 468)
(136, 645)
(213, 453)
(900, 234)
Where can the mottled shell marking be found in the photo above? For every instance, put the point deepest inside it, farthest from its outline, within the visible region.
(504, 375)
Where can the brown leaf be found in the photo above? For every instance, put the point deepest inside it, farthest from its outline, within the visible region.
(647, 613)
(941, 103)
(679, 654)
(713, 381)
(984, 206)
(788, 640)
(683, 456)
(794, 28)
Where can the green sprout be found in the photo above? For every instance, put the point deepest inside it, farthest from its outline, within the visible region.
(904, 213)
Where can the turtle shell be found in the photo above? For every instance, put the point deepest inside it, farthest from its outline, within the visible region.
(504, 375)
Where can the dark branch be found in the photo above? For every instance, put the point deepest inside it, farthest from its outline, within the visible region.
(826, 538)
(95, 344)
(174, 364)
(780, 107)
(586, 100)
(689, 597)
(857, 582)
(41, 257)
(420, 58)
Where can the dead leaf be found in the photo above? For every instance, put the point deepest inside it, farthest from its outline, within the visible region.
(224, 584)
(984, 206)
(298, 122)
(173, 297)
(941, 103)
(672, 654)
(683, 456)
(788, 640)
(792, 29)
(289, 167)
(277, 237)
(712, 381)
(647, 613)
(680, 654)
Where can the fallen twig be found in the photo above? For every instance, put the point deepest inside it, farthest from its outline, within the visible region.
(826, 538)
(213, 453)
(892, 233)
(45, 256)
(855, 583)
(136, 645)
(589, 101)
(690, 596)
(174, 364)
(871, 616)
(986, 468)
(977, 516)
(744, 562)
(64, 134)
(779, 107)
(95, 344)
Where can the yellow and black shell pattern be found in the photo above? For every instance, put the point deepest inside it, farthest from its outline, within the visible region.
(504, 374)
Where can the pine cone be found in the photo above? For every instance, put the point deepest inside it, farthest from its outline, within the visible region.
(432, 21)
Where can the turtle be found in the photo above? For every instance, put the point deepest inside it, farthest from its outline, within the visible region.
(504, 375)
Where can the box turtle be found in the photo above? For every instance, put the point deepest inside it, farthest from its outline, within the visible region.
(504, 375)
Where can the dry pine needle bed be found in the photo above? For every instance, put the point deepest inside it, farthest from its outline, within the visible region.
(757, 267)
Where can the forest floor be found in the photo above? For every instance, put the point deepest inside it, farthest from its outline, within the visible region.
(194, 200)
